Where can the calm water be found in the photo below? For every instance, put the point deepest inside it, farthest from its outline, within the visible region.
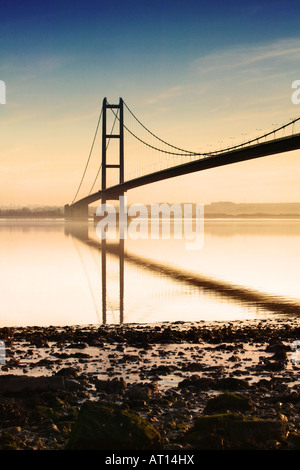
(57, 274)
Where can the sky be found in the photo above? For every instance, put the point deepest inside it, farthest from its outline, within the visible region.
(200, 75)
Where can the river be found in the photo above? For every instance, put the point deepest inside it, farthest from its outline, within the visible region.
(54, 273)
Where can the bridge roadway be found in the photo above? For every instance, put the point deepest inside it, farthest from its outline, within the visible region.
(273, 147)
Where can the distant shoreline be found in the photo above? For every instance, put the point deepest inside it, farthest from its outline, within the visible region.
(214, 210)
(252, 216)
(206, 216)
(31, 216)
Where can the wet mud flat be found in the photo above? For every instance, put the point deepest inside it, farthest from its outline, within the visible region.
(176, 386)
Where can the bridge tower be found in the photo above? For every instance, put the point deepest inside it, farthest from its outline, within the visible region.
(80, 209)
(106, 136)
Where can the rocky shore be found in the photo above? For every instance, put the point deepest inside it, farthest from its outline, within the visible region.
(172, 386)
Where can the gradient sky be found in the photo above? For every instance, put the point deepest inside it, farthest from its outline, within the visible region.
(198, 74)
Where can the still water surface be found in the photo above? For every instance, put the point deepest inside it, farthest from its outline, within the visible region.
(54, 273)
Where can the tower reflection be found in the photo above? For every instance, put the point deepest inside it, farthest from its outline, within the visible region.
(80, 231)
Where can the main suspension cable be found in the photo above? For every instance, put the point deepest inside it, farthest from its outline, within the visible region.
(158, 138)
(161, 150)
(190, 153)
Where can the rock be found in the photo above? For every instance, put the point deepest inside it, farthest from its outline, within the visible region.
(273, 366)
(11, 384)
(76, 346)
(107, 426)
(111, 386)
(12, 430)
(193, 367)
(40, 341)
(46, 414)
(234, 358)
(233, 431)
(73, 385)
(53, 428)
(231, 383)
(280, 355)
(130, 358)
(294, 441)
(139, 392)
(264, 384)
(161, 370)
(206, 383)
(228, 401)
(69, 372)
(10, 442)
(200, 383)
(277, 347)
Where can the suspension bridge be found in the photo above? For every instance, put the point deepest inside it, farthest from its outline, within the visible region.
(117, 175)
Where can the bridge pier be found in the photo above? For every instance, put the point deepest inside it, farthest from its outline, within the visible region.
(77, 211)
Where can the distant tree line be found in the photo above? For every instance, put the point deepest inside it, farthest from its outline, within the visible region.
(26, 212)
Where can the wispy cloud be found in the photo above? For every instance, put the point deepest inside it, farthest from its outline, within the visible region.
(72, 119)
(165, 95)
(33, 65)
(286, 51)
(17, 117)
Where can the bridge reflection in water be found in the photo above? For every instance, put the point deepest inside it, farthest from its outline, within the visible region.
(232, 293)
(80, 231)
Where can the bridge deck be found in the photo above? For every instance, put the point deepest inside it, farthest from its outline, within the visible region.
(276, 146)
